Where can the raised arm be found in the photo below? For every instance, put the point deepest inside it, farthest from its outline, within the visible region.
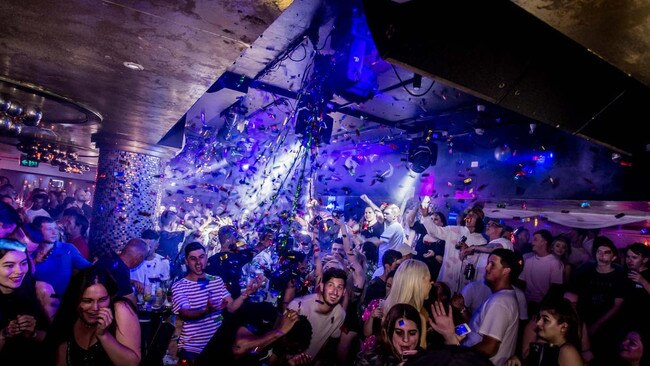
(358, 275)
(124, 347)
(246, 341)
(378, 213)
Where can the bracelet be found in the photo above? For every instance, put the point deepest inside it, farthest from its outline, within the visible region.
(279, 332)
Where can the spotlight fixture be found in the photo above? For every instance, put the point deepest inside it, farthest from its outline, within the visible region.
(417, 81)
(422, 155)
(54, 154)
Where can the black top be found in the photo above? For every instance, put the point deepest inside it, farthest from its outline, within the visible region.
(228, 266)
(120, 272)
(543, 354)
(597, 291)
(373, 231)
(634, 311)
(258, 318)
(169, 241)
(422, 248)
(95, 355)
(22, 301)
(376, 290)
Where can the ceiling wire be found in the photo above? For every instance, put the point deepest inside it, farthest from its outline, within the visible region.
(407, 90)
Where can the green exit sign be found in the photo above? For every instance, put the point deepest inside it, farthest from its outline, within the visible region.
(26, 161)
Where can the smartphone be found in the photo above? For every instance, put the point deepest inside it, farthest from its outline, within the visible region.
(406, 355)
(463, 330)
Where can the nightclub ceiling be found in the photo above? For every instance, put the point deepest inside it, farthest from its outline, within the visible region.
(274, 101)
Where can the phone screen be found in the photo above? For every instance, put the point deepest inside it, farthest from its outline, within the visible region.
(462, 330)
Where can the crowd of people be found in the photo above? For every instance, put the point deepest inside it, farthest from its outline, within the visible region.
(397, 287)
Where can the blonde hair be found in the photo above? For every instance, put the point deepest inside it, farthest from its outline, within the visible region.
(394, 209)
(408, 289)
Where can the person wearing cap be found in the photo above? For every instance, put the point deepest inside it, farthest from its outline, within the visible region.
(494, 326)
(478, 254)
(154, 270)
(453, 267)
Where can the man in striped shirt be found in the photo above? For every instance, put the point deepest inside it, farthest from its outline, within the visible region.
(199, 299)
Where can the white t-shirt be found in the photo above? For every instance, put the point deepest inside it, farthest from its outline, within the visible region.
(157, 268)
(539, 273)
(498, 318)
(323, 326)
(475, 293)
(480, 259)
(393, 238)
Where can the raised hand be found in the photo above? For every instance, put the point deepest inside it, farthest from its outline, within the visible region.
(442, 322)
(255, 284)
(104, 320)
(287, 321)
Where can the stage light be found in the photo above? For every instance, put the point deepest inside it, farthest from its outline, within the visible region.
(422, 156)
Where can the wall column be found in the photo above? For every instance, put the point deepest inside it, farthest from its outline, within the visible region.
(128, 191)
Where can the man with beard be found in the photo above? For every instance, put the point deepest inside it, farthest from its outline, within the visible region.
(199, 299)
(323, 310)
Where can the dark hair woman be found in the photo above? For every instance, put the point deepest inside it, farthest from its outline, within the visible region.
(400, 338)
(93, 326)
(558, 337)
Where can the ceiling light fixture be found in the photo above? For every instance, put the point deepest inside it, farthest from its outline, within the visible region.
(133, 66)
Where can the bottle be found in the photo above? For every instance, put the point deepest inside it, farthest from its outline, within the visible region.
(147, 292)
(470, 271)
(159, 299)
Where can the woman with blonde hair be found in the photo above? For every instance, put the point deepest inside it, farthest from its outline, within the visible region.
(411, 285)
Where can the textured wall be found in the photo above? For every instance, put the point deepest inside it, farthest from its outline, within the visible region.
(127, 194)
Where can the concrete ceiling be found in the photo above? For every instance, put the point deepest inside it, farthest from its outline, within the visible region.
(77, 50)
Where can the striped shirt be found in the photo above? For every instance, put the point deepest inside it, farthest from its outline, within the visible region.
(187, 294)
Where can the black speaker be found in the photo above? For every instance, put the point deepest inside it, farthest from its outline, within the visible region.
(499, 52)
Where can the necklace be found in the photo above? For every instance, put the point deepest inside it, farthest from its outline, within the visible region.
(44, 256)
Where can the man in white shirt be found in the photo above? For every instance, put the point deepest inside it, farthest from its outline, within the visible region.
(38, 203)
(541, 270)
(478, 254)
(323, 310)
(154, 270)
(495, 324)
